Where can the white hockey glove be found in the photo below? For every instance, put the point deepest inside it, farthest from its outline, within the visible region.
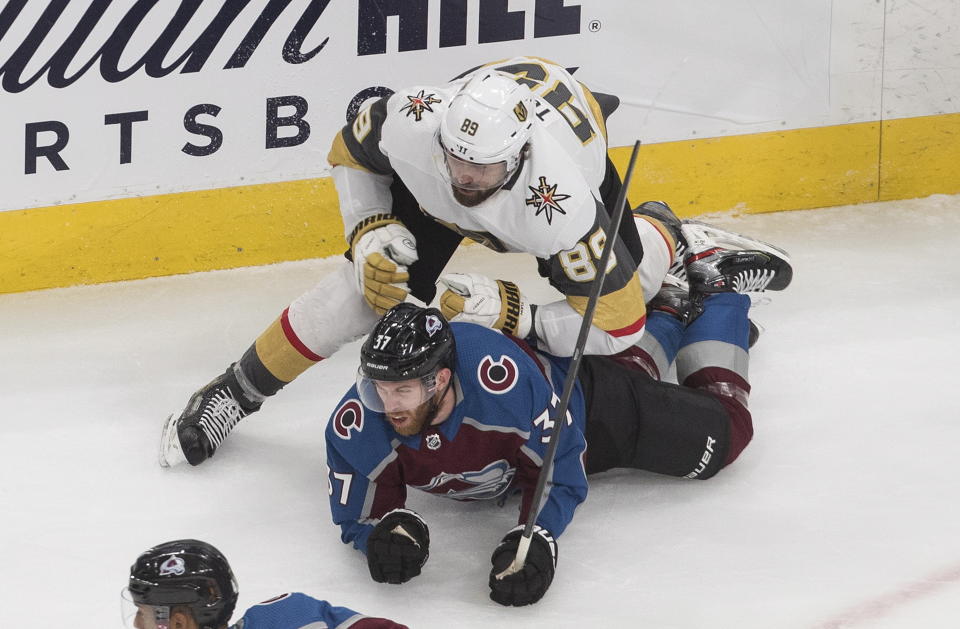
(475, 298)
(382, 250)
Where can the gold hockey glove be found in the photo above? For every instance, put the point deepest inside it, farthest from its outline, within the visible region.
(382, 249)
(478, 299)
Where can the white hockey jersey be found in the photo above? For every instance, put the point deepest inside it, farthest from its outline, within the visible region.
(551, 208)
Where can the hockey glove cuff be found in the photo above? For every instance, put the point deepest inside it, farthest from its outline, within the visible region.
(382, 249)
(398, 547)
(478, 299)
(530, 583)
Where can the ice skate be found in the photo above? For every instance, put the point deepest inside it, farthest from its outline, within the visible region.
(675, 298)
(719, 261)
(212, 412)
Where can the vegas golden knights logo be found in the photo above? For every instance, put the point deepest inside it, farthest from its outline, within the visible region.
(520, 111)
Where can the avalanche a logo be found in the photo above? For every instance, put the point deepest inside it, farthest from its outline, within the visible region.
(432, 325)
(546, 199)
(172, 566)
(419, 104)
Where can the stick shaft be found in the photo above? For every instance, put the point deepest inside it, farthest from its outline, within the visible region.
(570, 381)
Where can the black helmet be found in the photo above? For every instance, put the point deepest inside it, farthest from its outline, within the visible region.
(408, 342)
(188, 573)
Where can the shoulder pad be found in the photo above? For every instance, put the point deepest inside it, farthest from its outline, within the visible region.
(358, 433)
(418, 108)
(558, 203)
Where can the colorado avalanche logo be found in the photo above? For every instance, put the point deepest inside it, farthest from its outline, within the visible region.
(173, 566)
(419, 104)
(347, 418)
(432, 325)
(489, 482)
(546, 199)
(497, 376)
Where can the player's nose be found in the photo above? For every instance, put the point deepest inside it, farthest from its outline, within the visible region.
(464, 177)
(391, 403)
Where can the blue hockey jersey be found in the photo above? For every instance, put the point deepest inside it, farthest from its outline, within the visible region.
(493, 441)
(299, 611)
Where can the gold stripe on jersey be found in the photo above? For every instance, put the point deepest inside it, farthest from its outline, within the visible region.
(340, 155)
(521, 72)
(528, 61)
(667, 236)
(492, 63)
(597, 112)
(279, 355)
(616, 310)
(357, 145)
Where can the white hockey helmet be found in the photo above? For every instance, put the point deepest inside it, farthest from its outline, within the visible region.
(487, 125)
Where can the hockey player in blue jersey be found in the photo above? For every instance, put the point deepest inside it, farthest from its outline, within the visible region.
(188, 584)
(464, 411)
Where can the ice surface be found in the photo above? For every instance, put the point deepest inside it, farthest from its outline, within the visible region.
(843, 512)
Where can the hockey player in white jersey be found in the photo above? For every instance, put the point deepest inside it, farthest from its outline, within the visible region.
(188, 584)
(512, 155)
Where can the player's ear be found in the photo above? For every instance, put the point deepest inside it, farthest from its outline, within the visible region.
(443, 378)
(181, 619)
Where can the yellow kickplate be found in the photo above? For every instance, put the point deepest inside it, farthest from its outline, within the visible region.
(124, 239)
(763, 172)
(793, 169)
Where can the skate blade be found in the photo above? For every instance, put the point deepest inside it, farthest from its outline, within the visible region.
(170, 453)
(701, 237)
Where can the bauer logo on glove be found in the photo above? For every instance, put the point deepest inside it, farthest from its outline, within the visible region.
(475, 298)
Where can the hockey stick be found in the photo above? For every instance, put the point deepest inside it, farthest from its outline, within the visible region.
(559, 420)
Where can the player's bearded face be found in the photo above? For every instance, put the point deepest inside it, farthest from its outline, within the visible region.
(474, 183)
(408, 405)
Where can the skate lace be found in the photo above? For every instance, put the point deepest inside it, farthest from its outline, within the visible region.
(219, 416)
(753, 280)
(678, 269)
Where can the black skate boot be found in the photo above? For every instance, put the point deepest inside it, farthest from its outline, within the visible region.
(718, 261)
(676, 299)
(210, 415)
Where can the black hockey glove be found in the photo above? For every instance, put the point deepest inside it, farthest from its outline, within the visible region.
(531, 582)
(398, 547)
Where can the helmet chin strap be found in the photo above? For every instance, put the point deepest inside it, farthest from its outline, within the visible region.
(433, 406)
(161, 616)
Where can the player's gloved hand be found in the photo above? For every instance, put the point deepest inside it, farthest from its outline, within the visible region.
(531, 582)
(398, 547)
(382, 250)
(475, 298)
